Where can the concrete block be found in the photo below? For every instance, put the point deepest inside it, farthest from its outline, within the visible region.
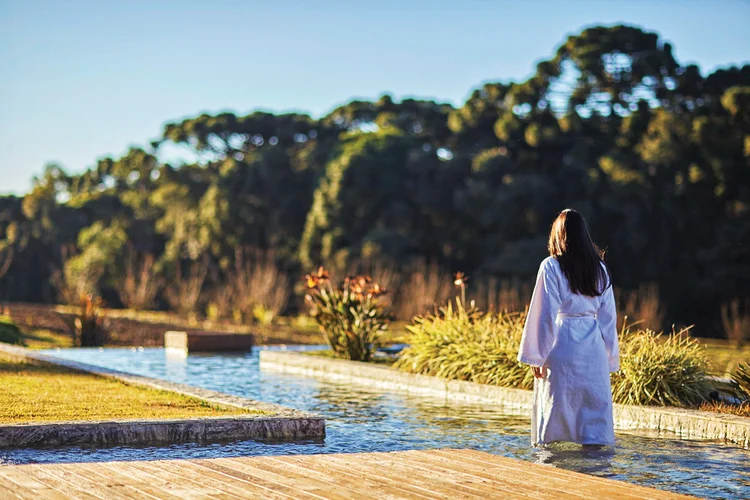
(208, 341)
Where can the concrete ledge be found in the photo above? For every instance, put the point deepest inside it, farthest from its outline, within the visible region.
(278, 422)
(680, 422)
(208, 341)
(149, 432)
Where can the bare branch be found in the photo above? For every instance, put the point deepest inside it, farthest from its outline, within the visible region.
(141, 284)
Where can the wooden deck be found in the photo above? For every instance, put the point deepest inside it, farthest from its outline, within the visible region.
(445, 474)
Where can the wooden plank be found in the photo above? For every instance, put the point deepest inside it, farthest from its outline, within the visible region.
(113, 480)
(254, 480)
(319, 471)
(224, 482)
(297, 486)
(329, 489)
(14, 490)
(161, 469)
(348, 476)
(117, 472)
(592, 484)
(341, 478)
(449, 481)
(10, 492)
(40, 474)
(534, 480)
(358, 474)
(75, 474)
(416, 487)
(481, 483)
(367, 472)
(510, 481)
(160, 487)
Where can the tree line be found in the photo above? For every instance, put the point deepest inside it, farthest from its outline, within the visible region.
(655, 154)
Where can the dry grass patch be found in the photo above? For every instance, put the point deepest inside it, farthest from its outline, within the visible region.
(743, 410)
(45, 394)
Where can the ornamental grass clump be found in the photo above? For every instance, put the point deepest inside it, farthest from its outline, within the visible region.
(657, 369)
(741, 377)
(351, 315)
(462, 343)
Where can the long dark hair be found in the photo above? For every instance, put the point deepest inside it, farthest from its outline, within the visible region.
(579, 257)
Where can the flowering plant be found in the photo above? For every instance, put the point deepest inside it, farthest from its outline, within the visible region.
(351, 315)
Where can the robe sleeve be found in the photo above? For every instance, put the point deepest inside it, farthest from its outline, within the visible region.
(540, 329)
(607, 318)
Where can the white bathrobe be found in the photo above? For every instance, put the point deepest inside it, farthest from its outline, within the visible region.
(575, 338)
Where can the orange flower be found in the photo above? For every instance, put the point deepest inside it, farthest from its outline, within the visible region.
(316, 278)
(460, 279)
(358, 284)
(377, 290)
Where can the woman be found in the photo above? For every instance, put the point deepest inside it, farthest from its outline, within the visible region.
(570, 339)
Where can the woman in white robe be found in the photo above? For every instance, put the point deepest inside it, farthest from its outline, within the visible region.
(570, 340)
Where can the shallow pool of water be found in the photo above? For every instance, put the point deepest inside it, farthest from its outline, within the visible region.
(362, 420)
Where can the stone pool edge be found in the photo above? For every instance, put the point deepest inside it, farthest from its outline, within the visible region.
(679, 422)
(283, 423)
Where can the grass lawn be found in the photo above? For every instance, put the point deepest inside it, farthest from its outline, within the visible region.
(724, 357)
(46, 339)
(44, 394)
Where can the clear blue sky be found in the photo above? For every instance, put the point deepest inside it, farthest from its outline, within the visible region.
(82, 79)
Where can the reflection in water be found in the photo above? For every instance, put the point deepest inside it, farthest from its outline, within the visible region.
(176, 361)
(360, 419)
(575, 458)
(358, 409)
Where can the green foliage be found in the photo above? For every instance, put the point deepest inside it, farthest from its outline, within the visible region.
(655, 369)
(741, 377)
(351, 316)
(355, 197)
(465, 344)
(100, 246)
(9, 332)
(263, 315)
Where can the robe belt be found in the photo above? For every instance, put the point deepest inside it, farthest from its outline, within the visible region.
(580, 315)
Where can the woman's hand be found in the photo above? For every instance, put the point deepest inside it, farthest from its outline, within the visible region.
(539, 371)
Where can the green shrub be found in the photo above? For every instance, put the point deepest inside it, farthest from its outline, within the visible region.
(464, 344)
(655, 369)
(9, 332)
(263, 315)
(350, 316)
